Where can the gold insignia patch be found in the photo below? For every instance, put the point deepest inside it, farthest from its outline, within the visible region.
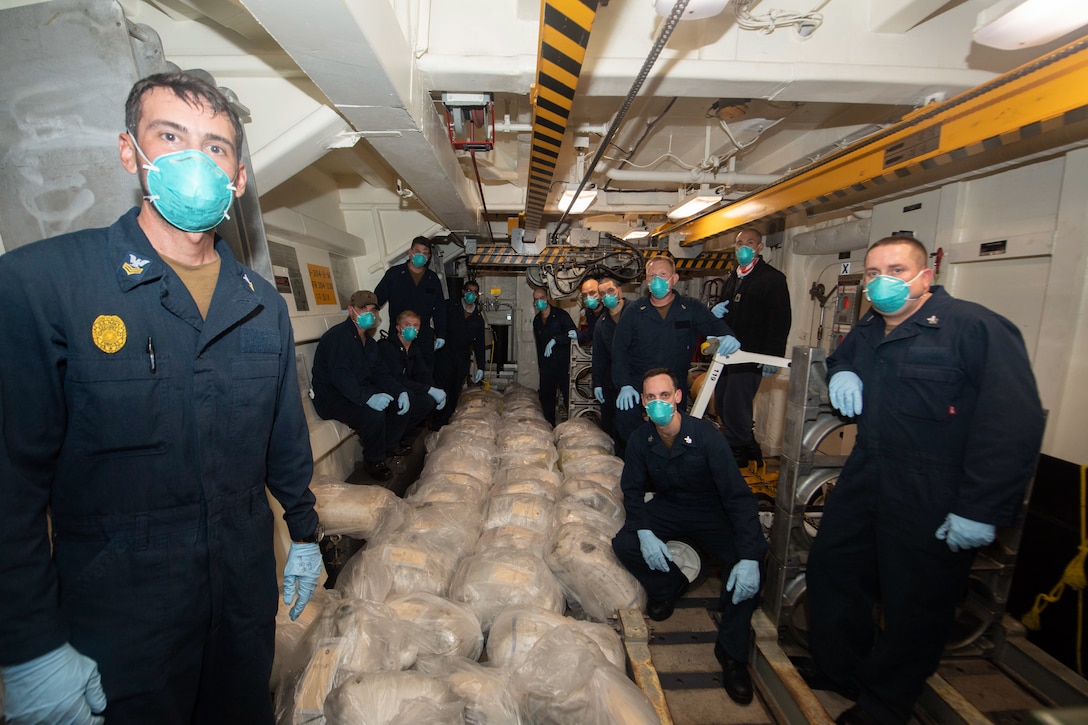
(109, 333)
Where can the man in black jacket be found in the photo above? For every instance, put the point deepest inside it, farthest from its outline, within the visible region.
(756, 305)
(407, 363)
(464, 337)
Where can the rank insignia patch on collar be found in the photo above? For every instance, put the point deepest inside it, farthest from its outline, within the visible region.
(134, 265)
(932, 319)
(687, 439)
(246, 278)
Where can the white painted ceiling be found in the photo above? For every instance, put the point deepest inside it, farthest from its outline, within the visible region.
(365, 75)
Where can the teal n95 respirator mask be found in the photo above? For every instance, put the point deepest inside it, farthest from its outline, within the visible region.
(188, 188)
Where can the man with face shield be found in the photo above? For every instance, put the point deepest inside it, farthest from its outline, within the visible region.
(949, 429)
(150, 403)
(699, 495)
(352, 384)
(663, 329)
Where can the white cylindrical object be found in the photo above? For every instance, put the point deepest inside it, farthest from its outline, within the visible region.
(844, 237)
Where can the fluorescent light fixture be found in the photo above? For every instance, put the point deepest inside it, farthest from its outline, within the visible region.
(694, 204)
(1014, 24)
(695, 10)
(588, 195)
(637, 233)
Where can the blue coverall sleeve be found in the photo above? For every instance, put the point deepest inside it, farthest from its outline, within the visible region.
(290, 459)
(343, 376)
(382, 290)
(438, 314)
(633, 484)
(478, 347)
(622, 342)
(739, 502)
(31, 379)
(1006, 431)
(602, 359)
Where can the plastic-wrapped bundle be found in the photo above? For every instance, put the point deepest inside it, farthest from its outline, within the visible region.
(516, 629)
(597, 497)
(586, 444)
(393, 698)
(574, 481)
(526, 487)
(480, 399)
(437, 626)
(581, 557)
(358, 511)
(488, 695)
(452, 526)
(494, 579)
(562, 681)
(594, 463)
(574, 426)
(509, 536)
(524, 510)
(472, 460)
(517, 474)
(412, 561)
(544, 458)
(518, 437)
(448, 488)
(571, 511)
(371, 638)
(474, 431)
(289, 634)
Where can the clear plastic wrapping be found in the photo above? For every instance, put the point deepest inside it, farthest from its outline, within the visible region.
(574, 481)
(413, 562)
(494, 579)
(354, 510)
(581, 557)
(452, 526)
(544, 458)
(449, 488)
(475, 431)
(509, 536)
(437, 626)
(565, 680)
(572, 511)
(574, 426)
(517, 474)
(519, 509)
(516, 629)
(594, 463)
(487, 693)
(289, 635)
(393, 698)
(473, 460)
(601, 499)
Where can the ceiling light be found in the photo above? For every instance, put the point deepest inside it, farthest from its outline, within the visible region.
(694, 204)
(695, 9)
(1013, 24)
(637, 233)
(588, 195)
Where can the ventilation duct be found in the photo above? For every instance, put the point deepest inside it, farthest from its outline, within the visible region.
(844, 237)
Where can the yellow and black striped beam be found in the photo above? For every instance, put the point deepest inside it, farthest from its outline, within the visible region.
(564, 34)
(504, 259)
(1040, 106)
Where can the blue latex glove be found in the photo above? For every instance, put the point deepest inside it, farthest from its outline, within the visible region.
(960, 533)
(767, 370)
(301, 572)
(403, 403)
(727, 344)
(654, 551)
(548, 348)
(720, 309)
(61, 686)
(477, 376)
(845, 390)
(379, 401)
(439, 342)
(439, 396)
(572, 334)
(743, 580)
(598, 393)
(627, 398)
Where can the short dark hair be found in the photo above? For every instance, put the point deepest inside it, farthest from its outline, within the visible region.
(611, 276)
(467, 282)
(753, 230)
(191, 89)
(919, 249)
(654, 372)
(424, 241)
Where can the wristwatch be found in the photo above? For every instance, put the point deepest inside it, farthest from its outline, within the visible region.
(316, 536)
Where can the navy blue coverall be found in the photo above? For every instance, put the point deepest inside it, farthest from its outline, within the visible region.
(409, 368)
(464, 336)
(153, 467)
(700, 496)
(346, 373)
(554, 369)
(399, 289)
(951, 422)
(603, 336)
(759, 315)
(644, 340)
(585, 336)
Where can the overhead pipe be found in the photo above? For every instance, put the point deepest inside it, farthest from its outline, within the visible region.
(695, 176)
(508, 126)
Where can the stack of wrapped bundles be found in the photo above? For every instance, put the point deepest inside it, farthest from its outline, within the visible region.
(508, 523)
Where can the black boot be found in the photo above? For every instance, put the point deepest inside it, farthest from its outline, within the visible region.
(735, 678)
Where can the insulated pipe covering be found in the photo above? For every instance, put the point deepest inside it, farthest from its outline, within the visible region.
(844, 237)
(693, 177)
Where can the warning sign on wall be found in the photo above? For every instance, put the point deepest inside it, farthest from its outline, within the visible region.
(321, 281)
